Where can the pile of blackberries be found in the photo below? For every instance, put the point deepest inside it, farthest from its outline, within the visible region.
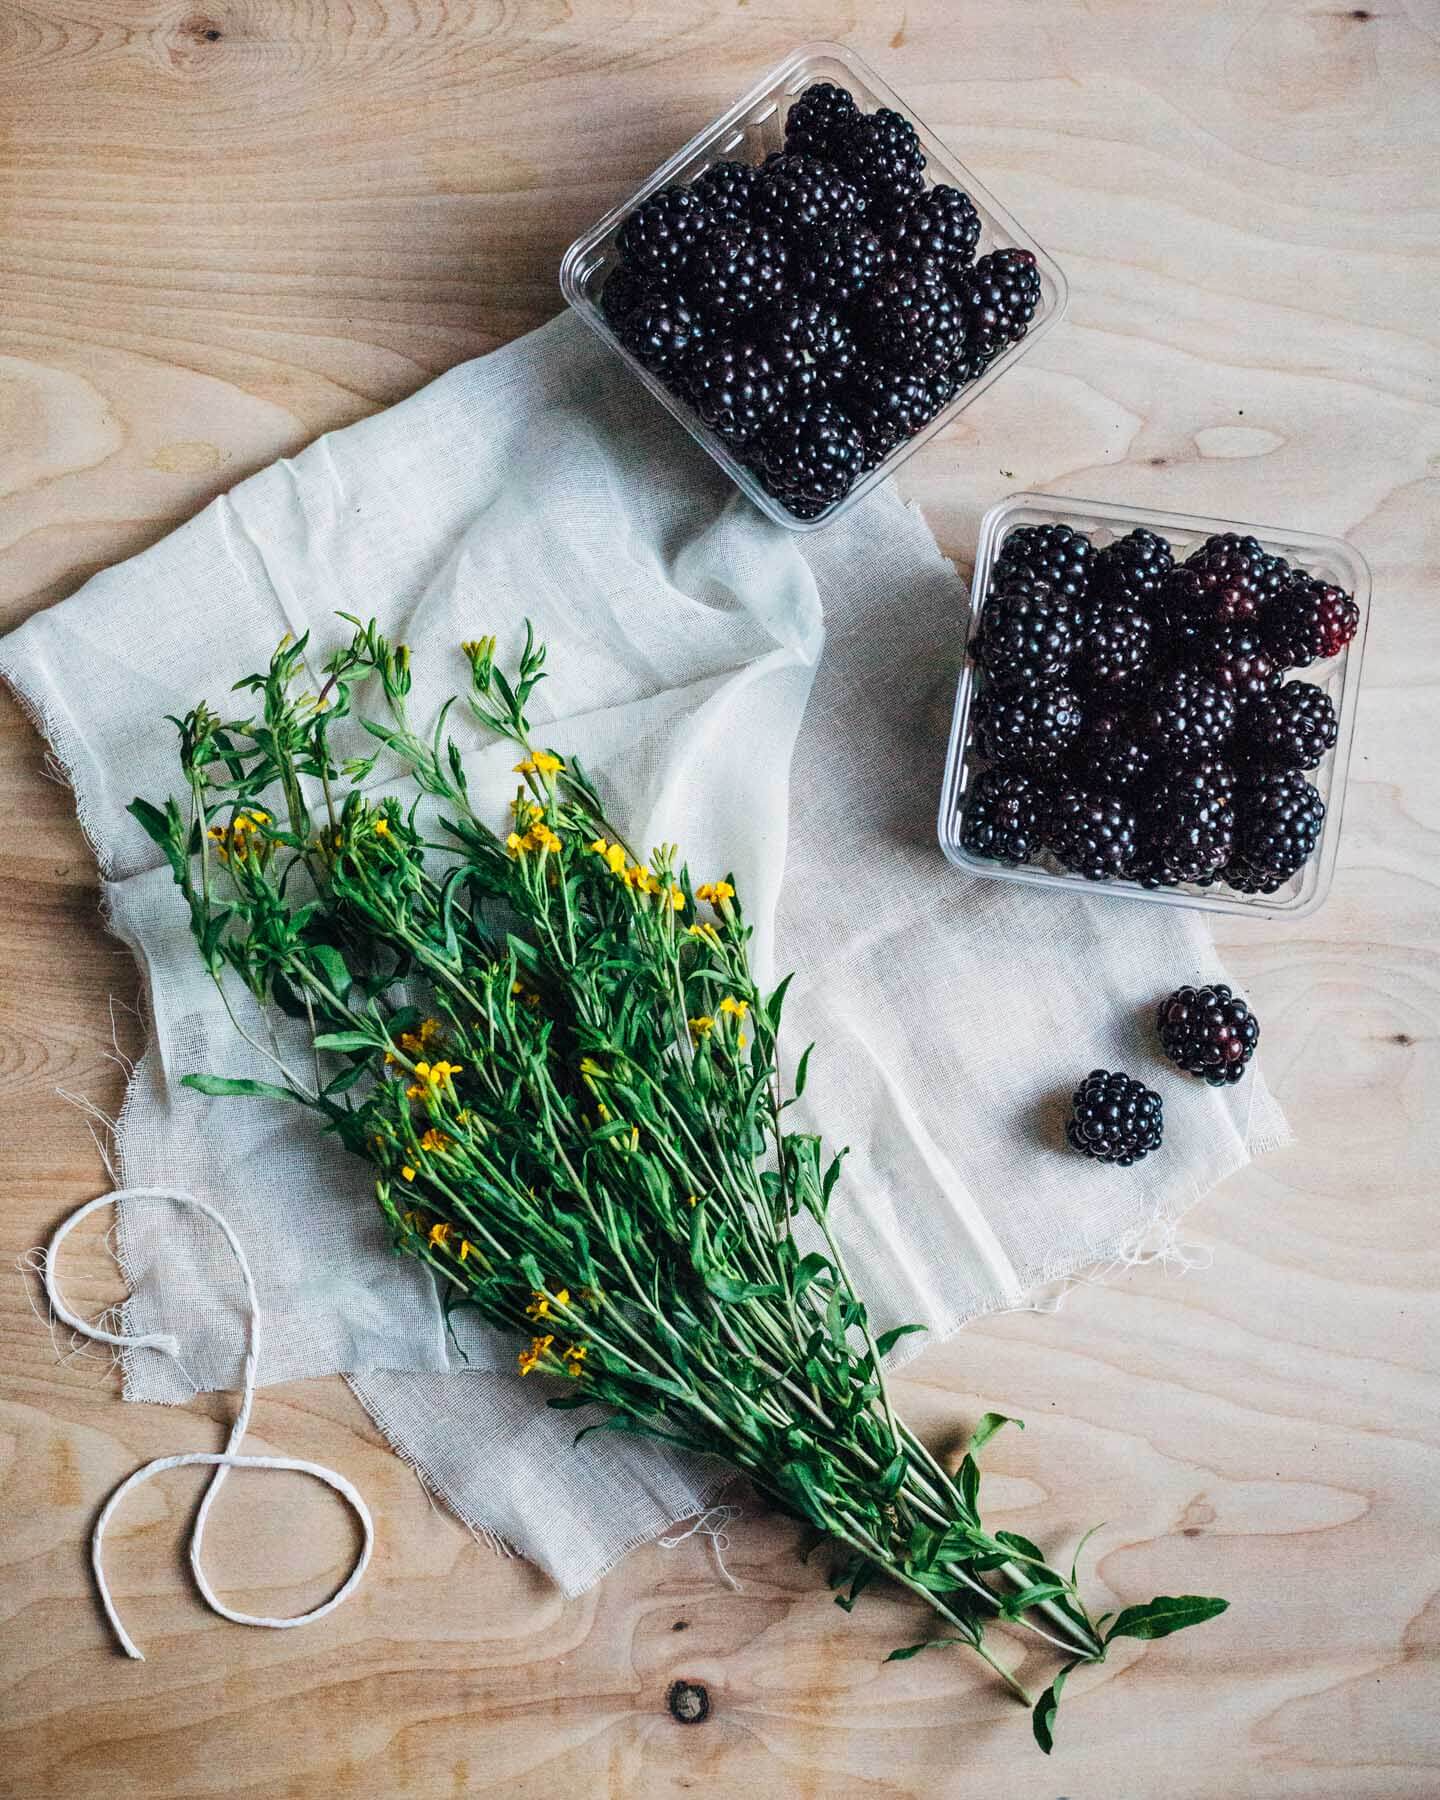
(1132, 722)
(818, 308)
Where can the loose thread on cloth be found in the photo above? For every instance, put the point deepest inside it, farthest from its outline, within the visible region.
(221, 1461)
(711, 1524)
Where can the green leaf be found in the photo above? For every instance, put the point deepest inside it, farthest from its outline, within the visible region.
(989, 1425)
(890, 1481)
(775, 1005)
(1042, 1720)
(332, 967)
(806, 1271)
(802, 1073)
(1075, 1561)
(1013, 1605)
(225, 1084)
(969, 1478)
(887, 1340)
(726, 1288)
(344, 1040)
(1164, 1614)
(929, 1644)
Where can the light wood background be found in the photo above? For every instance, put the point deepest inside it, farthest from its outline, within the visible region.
(228, 225)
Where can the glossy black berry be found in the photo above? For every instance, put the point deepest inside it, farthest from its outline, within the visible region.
(1236, 659)
(1187, 715)
(890, 405)
(998, 299)
(1026, 727)
(819, 119)
(625, 287)
(1219, 583)
(1289, 727)
(1278, 820)
(735, 388)
(1027, 633)
(728, 189)
(1003, 817)
(662, 332)
(663, 231)
(1209, 1032)
(1057, 555)
(735, 269)
(909, 320)
(1115, 645)
(1133, 568)
(880, 151)
(1091, 833)
(1109, 754)
(810, 344)
(809, 458)
(1187, 826)
(840, 262)
(1115, 1119)
(1309, 621)
(796, 195)
(941, 223)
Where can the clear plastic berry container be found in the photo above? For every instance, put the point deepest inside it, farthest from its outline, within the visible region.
(748, 132)
(1330, 558)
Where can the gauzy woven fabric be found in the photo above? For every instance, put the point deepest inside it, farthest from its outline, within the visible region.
(775, 703)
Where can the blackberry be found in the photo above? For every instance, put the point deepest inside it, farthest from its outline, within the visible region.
(1056, 554)
(728, 189)
(880, 152)
(941, 223)
(998, 298)
(1027, 633)
(1235, 658)
(1091, 833)
(1133, 568)
(1114, 645)
(810, 344)
(841, 261)
(1309, 621)
(1178, 622)
(1004, 812)
(1208, 1032)
(1278, 818)
(1188, 715)
(809, 457)
(1115, 1119)
(663, 332)
(735, 389)
(798, 194)
(1109, 755)
(910, 320)
(1188, 827)
(890, 405)
(663, 231)
(736, 269)
(625, 287)
(1291, 727)
(1026, 727)
(1220, 584)
(819, 119)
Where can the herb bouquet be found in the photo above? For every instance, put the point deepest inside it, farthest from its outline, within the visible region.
(556, 1060)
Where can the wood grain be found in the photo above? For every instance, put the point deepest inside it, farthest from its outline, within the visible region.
(228, 225)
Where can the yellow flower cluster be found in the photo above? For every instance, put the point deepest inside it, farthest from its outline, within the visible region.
(416, 1041)
(706, 931)
(715, 892)
(539, 1307)
(538, 837)
(437, 1142)
(736, 1008)
(701, 1027)
(232, 840)
(539, 1347)
(541, 763)
(431, 1077)
(636, 875)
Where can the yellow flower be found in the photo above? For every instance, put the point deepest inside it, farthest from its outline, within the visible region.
(677, 898)
(429, 1076)
(706, 931)
(738, 1008)
(515, 844)
(465, 1248)
(539, 1307)
(415, 1041)
(694, 1199)
(541, 837)
(589, 1066)
(701, 1027)
(479, 649)
(616, 858)
(439, 1234)
(382, 826)
(641, 878)
(575, 1360)
(538, 1348)
(598, 847)
(715, 892)
(436, 1141)
(407, 1173)
(541, 763)
(412, 1219)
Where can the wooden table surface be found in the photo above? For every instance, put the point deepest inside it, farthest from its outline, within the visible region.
(230, 225)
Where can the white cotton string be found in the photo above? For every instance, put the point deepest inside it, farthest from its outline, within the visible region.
(711, 1524)
(221, 1461)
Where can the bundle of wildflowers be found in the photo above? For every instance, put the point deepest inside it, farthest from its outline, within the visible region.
(554, 1056)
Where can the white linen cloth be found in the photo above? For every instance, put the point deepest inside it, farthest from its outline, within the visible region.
(778, 705)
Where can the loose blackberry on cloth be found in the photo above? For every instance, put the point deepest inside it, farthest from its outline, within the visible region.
(774, 703)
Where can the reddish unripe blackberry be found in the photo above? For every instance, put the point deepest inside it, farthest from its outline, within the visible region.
(1278, 820)
(1209, 1032)
(728, 189)
(819, 119)
(941, 223)
(1187, 715)
(1290, 727)
(1115, 1119)
(910, 321)
(1027, 633)
(735, 388)
(1091, 833)
(798, 194)
(1026, 727)
(663, 231)
(1004, 815)
(1309, 621)
(736, 269)
(998, 298)
(1057, 555)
